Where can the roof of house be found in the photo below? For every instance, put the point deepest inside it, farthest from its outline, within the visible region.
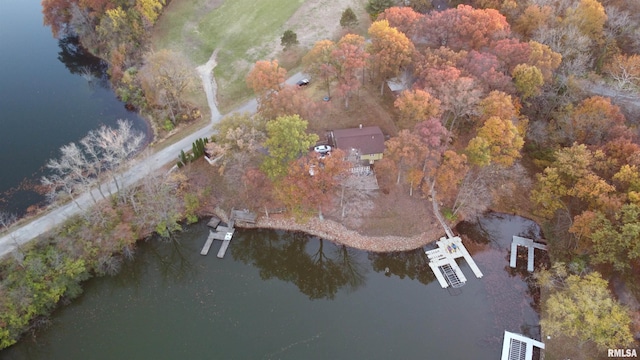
(368, 139)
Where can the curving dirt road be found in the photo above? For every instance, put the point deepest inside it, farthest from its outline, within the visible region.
(141, 167)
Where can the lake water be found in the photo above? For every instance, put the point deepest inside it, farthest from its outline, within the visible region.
(280, 295)
(51, 93)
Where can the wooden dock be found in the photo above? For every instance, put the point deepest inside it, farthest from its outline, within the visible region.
(518, 347)
(442, 261)
(225, 233)
(530, 245)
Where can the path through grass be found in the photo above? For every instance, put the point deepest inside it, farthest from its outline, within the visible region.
(244, 30)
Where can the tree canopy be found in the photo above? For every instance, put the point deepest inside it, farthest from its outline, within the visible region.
(287, 140)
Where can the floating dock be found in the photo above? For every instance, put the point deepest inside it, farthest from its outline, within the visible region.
(530, 245)
(518, 347)
(225, 233)
(442, 261)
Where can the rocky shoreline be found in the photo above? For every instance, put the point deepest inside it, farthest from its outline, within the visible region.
(338, 233)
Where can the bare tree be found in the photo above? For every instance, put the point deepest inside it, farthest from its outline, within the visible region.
(114, 147)
(70, 173)
(165, 77)
(79, 169)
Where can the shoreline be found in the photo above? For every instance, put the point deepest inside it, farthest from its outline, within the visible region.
(339, 234)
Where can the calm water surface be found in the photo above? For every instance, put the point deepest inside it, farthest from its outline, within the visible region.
(51, 93)
(280, 295)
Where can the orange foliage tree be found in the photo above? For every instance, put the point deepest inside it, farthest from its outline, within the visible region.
(464, 28)
(312, 182)
(318, 62)
(415, 106)
(349, 58)
(594, 119)
(391, 50)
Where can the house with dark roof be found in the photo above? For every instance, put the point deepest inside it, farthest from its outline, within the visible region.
(365, 143)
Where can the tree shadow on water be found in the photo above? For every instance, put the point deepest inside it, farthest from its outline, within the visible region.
(317, 267)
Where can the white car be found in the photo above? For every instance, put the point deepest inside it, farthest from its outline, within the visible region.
(322, 149)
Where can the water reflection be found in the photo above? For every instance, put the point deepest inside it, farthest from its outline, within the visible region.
(80, 62)
(265, 300)
(317, 267)
(411, 264)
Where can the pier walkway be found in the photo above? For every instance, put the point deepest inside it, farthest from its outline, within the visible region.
(225, 233)
(530, 245)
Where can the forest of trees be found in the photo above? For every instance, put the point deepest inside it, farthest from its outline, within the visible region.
(498, 91)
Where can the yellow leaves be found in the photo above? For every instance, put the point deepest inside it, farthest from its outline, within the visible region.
(590, 188)
(150, 9)
(544, 58)
(390, 47)
(416, 106)
(589, 17)
(583, 307)
(479, 151)
(117, 17)
(504, 140)
(528, 80)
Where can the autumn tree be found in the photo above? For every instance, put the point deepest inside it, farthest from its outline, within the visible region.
(319, 63)
(450, 174)
(546, 60)
(317, 178)
(500, 138)
(156, 205)
(348, 20)
(499, 104)
(415, 106)
(289, 100)
(594, 119)
(349, 58)
(405, 19)
(510, 52)
(613, 240)
(533, 18)
(109, 150)
(237, 142)
(464, 28)
(57, 14)
(458, 95)
(391, 50)
(589, 17)
(571, 182)
(485, 68)
(624, 71)
(166, 77)
(287, 140)
(407, 152)
(528, 80)
(582, 306)
(150, 9)
(265, 78)
(437, 139)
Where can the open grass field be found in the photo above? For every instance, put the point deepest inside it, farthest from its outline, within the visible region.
(243, 30)
(246, 31)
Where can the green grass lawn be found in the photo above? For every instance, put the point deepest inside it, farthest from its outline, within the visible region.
(243, 30)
